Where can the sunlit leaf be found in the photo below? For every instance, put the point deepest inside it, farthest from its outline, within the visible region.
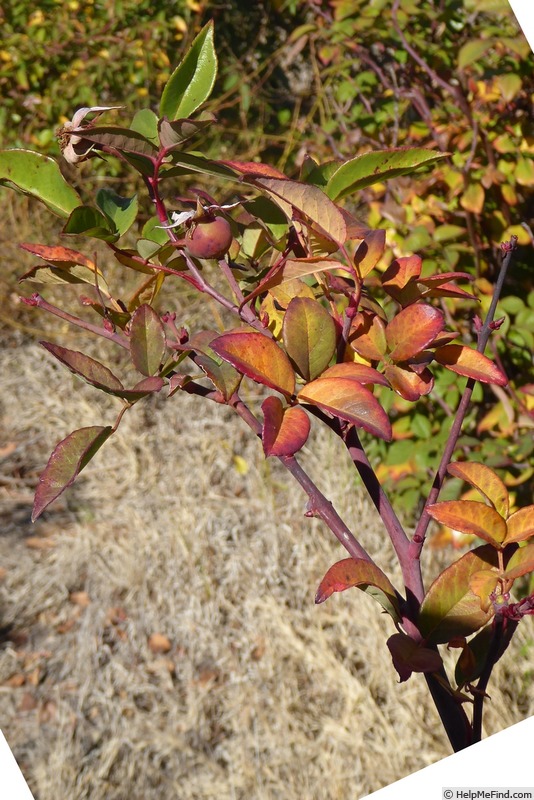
(412, 329)
(450, 608)
(193, 79)
(401, 271)
(485, 480)
(257, 357)
(311, 201)
(409, 656)
(466, 361)
(70, 456)
(37, 175)
(520, 525)
(473, 198)
(147, 340)
(378, 166)
(369, 339)
(284, 430)
(349, 400)
(482, 584)
(122, 211)
(472, 51)
(365, 575)
(471, 517)
(309, 335)
(521, 562)
(357, 372)
(370, 252)
(175, 134)
(409, 384)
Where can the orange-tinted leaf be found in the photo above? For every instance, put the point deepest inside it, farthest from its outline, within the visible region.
(220, 372)
(349, 400)
(309, 335)
(58, 255)
(409, 656)
(410, 385)
(370, 252)
(254, 168)
(465, 361)
(311, 201)
(473, 658)
(412, 329)
(257, 357)
(467, 516)
(485, 480)
(370, 338)
(401, 271)
(482, 584)
(521, 563)
(520, 525)
(367, 576)
(285, 430)
(147, 340)
(450, 608)
(357, 372)
(70, 456)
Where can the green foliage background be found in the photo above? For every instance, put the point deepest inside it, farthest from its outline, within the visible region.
(328, 80)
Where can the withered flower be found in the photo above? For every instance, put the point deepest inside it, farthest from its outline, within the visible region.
(74, 147)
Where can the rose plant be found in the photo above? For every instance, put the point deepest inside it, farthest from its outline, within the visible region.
(315, 321)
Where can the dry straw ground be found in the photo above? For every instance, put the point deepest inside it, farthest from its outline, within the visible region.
(257, 693)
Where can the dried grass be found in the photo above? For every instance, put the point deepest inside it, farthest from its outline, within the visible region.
(262, 694)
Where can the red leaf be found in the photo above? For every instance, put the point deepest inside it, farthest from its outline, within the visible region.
(58, 255)
(412, 329)
(257, 357)
(401, 271)
(70, 456)
(256, 169)
(369, 337)
(349, 400)
(465, 361)
(358, 572)
(285, 430)
(409, 656)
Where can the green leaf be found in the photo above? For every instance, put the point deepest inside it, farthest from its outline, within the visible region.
(472, 51)
(376, 167)
(37, 175)
(192, 81)
(147, 340)
(521, 563)
(145, 122)
(122, 211)
(88, 221)
(366, 576)
(309, 335)
(70, 456)
(450, 608)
